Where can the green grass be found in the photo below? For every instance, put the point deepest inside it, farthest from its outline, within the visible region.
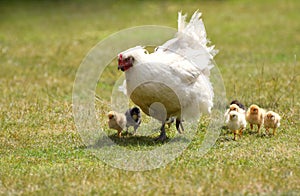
(43, 43)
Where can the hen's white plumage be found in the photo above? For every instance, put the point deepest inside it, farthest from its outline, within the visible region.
(175, 75)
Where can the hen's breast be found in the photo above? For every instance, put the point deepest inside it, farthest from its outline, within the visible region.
(156, 99)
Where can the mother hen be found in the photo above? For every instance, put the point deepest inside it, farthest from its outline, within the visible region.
(173, 81)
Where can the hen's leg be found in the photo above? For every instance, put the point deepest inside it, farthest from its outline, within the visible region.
(162, 137)
(179, 123)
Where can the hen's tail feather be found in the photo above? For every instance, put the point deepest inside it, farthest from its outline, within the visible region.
(190, 35)
(181, 21)
(195, 29)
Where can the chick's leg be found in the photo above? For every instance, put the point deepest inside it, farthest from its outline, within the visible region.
(119, 133)
(267, 131)
(258, 128)
(274, 131)
(241, 132)
(251, 127)
(135, 128)
(234, 134)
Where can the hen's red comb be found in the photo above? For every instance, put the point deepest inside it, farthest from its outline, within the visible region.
(120, 56)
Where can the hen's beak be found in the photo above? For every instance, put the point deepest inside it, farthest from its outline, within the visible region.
(124, 63)
(120, 67)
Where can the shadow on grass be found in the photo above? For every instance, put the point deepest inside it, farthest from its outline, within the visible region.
(130, 140)
(227, 136)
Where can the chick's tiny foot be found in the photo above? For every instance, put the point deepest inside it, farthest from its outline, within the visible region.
(274, 131)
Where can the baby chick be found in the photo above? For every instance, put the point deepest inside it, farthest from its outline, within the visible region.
(133, 118)
(236, 122)
(236, 102)
(235, 105)
(255, 115)
(271, 120)
(117, 121)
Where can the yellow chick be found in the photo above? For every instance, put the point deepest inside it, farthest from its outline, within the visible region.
(271, 120)
(236, 122)
(234, 107)
(255, 116)
(117, 121)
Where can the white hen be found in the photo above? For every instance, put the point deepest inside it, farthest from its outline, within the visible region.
(175, 76)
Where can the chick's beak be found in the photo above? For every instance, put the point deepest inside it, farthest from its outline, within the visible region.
(134, 117)
(110, 116)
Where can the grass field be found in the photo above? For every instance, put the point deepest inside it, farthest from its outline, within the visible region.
(42, 44)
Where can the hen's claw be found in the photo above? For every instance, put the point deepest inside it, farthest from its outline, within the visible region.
(179, 129)
(162, 137)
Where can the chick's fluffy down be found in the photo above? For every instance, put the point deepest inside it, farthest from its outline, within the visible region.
(255, 115)
(235, 120)
(271, 120)
(116, 121)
